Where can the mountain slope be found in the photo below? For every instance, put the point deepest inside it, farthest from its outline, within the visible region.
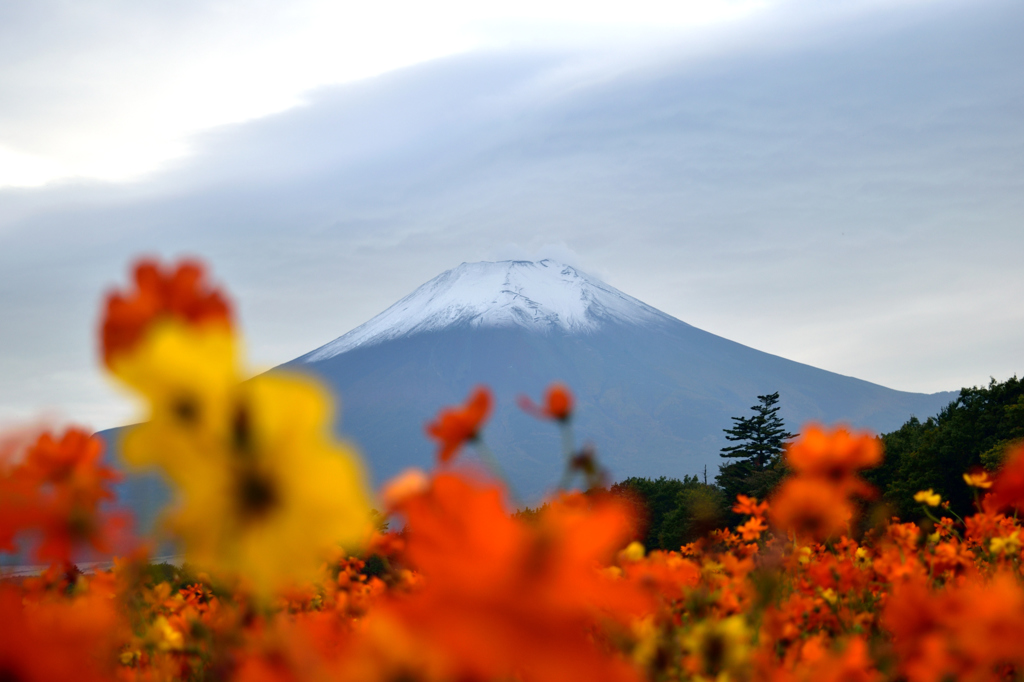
(654, 393)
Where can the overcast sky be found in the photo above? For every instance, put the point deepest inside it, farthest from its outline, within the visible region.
(838, 183)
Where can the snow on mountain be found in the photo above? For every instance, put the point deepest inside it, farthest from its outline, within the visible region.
(540, 296)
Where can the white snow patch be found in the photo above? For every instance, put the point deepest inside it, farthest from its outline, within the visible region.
(541, 296)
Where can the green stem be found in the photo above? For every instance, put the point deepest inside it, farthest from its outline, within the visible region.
(492, 463)
(568, 452)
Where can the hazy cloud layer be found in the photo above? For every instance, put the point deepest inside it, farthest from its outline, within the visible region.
(852, 199)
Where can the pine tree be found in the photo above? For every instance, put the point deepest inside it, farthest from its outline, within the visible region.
(759, 440)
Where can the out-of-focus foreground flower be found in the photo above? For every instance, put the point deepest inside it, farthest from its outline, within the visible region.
(815, 502)
(264, 491)
(456, 426)
(54, 492)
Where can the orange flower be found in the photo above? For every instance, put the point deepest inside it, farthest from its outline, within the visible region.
(558, 404)
(456, 426)
(835, 456)
(978, 479)
(810, 508)
(505, 599)
(56, 490)
(752, 529)
(749, 506)
(54, 641)
(179, 293)
(1008, 488)
(967, 631)
(854, 664)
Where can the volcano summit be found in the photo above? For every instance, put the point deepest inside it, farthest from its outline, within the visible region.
(653, 393)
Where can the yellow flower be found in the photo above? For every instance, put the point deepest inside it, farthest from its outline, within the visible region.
(1007, 545)
(718, 650)
(648, 640)
(634, 551)
(263, 490)
(978, 480)
(166, 636)
(829, 595)
(929, 497)
(283, 495)
(188, 377)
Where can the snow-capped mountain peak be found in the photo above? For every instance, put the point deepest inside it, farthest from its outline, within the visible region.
(543, 296)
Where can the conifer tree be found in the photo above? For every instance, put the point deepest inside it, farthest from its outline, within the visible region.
(759, 441)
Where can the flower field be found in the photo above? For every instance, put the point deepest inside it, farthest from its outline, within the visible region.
(296, 570)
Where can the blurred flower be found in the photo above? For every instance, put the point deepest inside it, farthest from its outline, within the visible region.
(456, 426)
(56, 491)
(409, 482)
(968, 630)
(928, 497)
(1006, 545)
(558, 404)
(55, 640)
(504, 598)
(1008, 488)
(178, 294)
(263, 488)
(979, 479)
(634, 551)
(752, 529)
(810, 508)
(272, 498)
(834, 455)
(750, 506)
(717, 649)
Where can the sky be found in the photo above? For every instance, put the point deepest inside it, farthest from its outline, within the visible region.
(840, 183)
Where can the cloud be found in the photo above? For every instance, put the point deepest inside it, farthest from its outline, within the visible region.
(853, 203)
(113, 89)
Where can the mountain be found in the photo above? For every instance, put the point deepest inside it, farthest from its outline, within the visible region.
(653, 393)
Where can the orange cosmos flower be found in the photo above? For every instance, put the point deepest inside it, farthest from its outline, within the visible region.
(752, 529)
(72, 461)
(179, 292)
(967, 631)
(558, 404)
(504, 599)
(978, 479)
(1008, 488)
(456, 426)
(834, 456)
(55, 640)
(810, 508)
(56, 490)
(750, 507)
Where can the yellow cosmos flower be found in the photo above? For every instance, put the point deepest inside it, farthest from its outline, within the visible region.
(1007, 545)
(188, 376)
(718, 650)
(263, 489)
(929, 497)
(634, 551)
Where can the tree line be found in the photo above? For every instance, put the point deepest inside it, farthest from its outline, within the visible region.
(972, 432)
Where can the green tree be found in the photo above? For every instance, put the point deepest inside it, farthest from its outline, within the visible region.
(758, 445)
(672, 511)
(699, 509)
(972, 431)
